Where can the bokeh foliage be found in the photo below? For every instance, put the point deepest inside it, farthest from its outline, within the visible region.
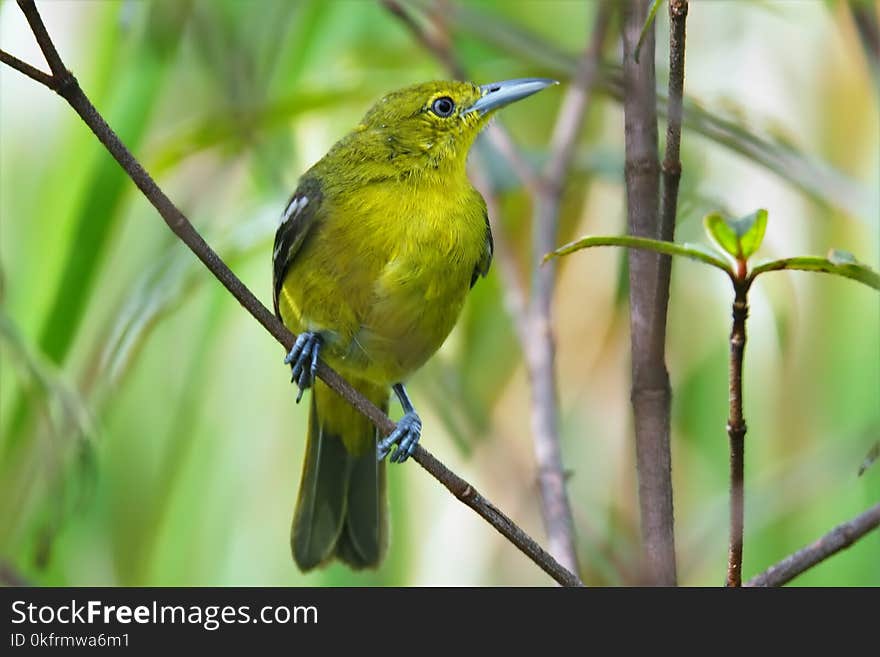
(149, 434)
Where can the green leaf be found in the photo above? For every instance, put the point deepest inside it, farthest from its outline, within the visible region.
(66, 410)
(854, 270)
(738, 237)
(657, 246)
(752, 229)
(722, 234)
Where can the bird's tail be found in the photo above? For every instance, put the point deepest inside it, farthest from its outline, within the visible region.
(341, 510)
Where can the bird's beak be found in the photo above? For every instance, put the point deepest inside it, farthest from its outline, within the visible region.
(499, 94)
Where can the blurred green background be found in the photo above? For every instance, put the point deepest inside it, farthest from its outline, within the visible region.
(149, 434)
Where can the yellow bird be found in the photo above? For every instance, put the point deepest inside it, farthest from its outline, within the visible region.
(373, 258)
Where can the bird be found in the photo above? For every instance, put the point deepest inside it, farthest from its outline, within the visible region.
(373, 258)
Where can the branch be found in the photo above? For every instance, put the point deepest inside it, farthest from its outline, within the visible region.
(65, 84)
(839, 538)
(539, 349)
(678, 10)
(23, 67)
(736, 432)
(59, 71)
(651, 396)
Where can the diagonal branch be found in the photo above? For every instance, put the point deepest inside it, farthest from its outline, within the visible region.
(839, 538)
(59, 71)
(23, 67)
(65, 84)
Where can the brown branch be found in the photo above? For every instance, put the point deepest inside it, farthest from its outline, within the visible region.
(65, 84)
(539, 349)
(651, 396)
(59, 71)
(671, 170)
(678, 10)
(736, 431)
(23, 67)
(488, 511)
(839, 538)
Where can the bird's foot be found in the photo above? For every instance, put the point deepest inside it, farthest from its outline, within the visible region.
(405, 436)
(303, 361)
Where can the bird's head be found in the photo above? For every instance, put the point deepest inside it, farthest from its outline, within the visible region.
(434, 124)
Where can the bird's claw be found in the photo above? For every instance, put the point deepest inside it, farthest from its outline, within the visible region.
(405, 436)
(303, 361)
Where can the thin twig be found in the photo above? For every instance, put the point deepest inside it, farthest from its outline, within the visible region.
(59, 71)
(839, 538)
(505, 526)
(23, 67)
(539, 349)
(736, 432)
(651, 396)
(66, 85)
(678, 10)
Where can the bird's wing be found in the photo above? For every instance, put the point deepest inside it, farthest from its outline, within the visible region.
(297, 219)
(482, 267)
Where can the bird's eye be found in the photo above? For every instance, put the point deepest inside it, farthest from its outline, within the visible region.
(443, 107)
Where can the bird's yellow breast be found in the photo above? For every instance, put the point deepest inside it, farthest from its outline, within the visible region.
(385, 272)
